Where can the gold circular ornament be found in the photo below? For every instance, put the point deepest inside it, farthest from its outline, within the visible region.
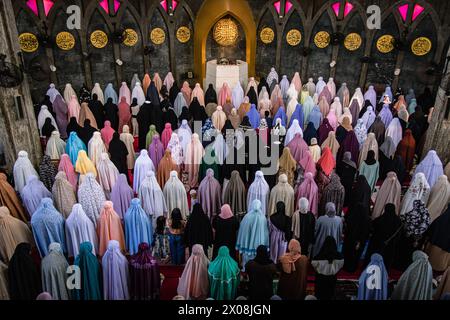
(65, 41)
(158, 36)
(421, 46)
(183, 34)
(352, 41)
(226, 32)
(130, 37)
(322, 39)
(385, 43)
(267, 35)
(99, 39)
(294, 37)
(28, 42)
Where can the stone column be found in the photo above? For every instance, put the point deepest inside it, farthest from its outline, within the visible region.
(438, 132)
(18, 126)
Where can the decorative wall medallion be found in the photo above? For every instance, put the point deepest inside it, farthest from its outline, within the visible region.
(28, 42)
(158, 36)
(226, 32)
(322, 39)
(183, 34)
(294, 37)
(99, 39)
(421, 46)
(352, 41)
(267, 35)
(385, 43)
(130, 37)
(65, 41)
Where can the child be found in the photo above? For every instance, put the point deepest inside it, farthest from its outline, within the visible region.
(176, 231)
(161, 240)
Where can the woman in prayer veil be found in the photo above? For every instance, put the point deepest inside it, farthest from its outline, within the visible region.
(54, 272)
(79, 228)
(224, 276)
(33, 193)
(115, 273)
(375, 292)
(175, 195)
(194, 282)
(225, 226)
(209, 195)
(90, 274)
(63, 194)
(198, 229)
(142, 165)
(145, 280)
(259, 190)
(431, 167)
(138, 227)
(73, 146)
(91, 197)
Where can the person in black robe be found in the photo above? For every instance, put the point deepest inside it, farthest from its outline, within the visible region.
(361, 192)
(281, 221)
(169, 115)
(399, 168)
(163, 93)
(185, 115)
(378, 129)
(225, 234)
(86, 132)
(364, 108)
(173, 92)
(341, 134)
(156, 117)
(346, 170)
(309, 133)
(326, 278)
(153, 95)
(48, 128)
(198, 229)
(73, 126)
(97, 110)
(23, 276)
(84, 95)
(111, 113)
(252, 96)
(386, 235)
(418, 124)
(118, 152)
(46, 102)
(210, 95)
(356, 229)
(269, 119)
(261, 272)
(307, 230)
(426, 100)
(197, 111)
(143, 119)
(386, 160)
(263, 83)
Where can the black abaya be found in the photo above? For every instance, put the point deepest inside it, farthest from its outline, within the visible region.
(111, 114)
(118, 152)
(210, 95)
(225, 234)
(198, 229)
(73, 126)
(97, 110)
(143, 119)
(153, 95)
(86, 132)
(173, 93)
(48, 128)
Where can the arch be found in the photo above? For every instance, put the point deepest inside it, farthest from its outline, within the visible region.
(210, 12)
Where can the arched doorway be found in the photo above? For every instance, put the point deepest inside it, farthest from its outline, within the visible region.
(212, 11)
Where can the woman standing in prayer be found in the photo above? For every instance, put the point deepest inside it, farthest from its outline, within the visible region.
(357, 229)
(165, 166)
(369, 168)
(253, 232)
(194, 282)
(111, 93)
(47, 225)
(84, 165)
(331, 143)
(261, 272)
(386, 115)
(210, 94)
(385, 235)
(370, 144)
(374, 292)
(54, 273)
(152, 197)
(55, 146)
(138, 227)
(387, 157)
(406, 149)
(303, 224)
(107, 174)
(109, 227)
(73, 126)
(9, 198)
(324, 129)
(119, 154)
(418, 190)
(61, 111)
(145, 279)
(124, 113)
(175, 195)
(327, 263)
(90, 274)
(279, 232)
(127, 138)
(33, 193)
(66, 166)
(87, 120)
(192, 160)
(283, 192)
(334, 192)
(259, 189)
(12, 232)
(416, 283)
(438, 242)
(142, 165)
(235, 194)
(287, 165)
(73, 108)
(107, 133)
(327, 225)
(226, 227)
(79, 228)
(209, 195)
(96, 147)
(74, 146)
(176, 233)
(121, 195)
(91, 197)
(63, 194)
(224, 276)
(431, 167)
(390, 192)
(293, 277)
(115, 273)
(86, 132)
(346, 170)
(97, 110)
(23, 277)
(439, 197)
